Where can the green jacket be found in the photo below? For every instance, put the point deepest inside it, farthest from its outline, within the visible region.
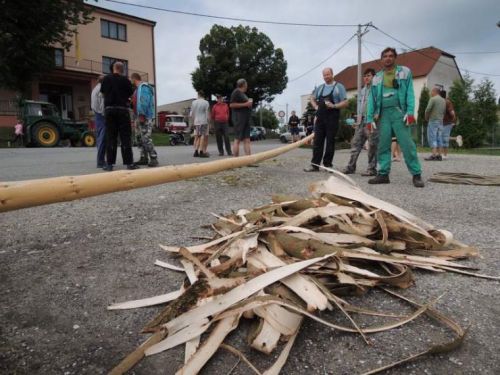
(405, 93)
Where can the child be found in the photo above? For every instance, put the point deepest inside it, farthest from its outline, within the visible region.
(18, 132)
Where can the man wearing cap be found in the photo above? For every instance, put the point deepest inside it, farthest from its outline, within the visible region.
(220, 115)
(391, 106)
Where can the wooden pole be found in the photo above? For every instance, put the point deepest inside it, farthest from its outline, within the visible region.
(23, 194)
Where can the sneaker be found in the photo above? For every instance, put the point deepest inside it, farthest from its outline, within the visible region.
(444, 157)
(131, 167)
(379, 179)
(221, 154)
(439, 158)
(369, 173)
(311, 168)
(431, 158)
(107, 168)
(100, 166)
(153, 162)
(142, 161)
(417, 181)
(347, 171)
(196, 154)
(203, 155)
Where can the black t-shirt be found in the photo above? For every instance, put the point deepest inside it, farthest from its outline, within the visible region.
(293, 121)
(117, 90)
(240, 114)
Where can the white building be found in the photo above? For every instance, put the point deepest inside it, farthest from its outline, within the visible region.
(430, 67)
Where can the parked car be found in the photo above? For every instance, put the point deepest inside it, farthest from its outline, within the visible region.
(287, 136)
(255, 134)
(262, 130)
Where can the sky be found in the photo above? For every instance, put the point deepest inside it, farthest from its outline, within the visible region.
(459, 27)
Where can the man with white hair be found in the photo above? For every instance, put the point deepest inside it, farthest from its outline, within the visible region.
(327, 99)
(241, 107)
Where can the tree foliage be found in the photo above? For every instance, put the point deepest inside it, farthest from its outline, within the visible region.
(346, 132)
(28, 32)
(269, 120)
(227, 54)
(475, 109)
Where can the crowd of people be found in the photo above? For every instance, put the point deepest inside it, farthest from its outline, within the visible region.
(386, 113)
(385, 116)
(111, 100)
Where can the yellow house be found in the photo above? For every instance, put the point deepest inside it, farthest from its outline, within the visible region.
(112, 36)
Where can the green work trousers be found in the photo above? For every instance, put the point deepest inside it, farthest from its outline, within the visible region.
(391, 122)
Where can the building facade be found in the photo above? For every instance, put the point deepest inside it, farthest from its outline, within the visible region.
(430, 67)
(112, 36)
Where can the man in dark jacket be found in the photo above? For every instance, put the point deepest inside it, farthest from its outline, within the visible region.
(117, 90)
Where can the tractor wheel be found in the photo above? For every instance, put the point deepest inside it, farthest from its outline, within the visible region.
(46, 134)
(88, 140)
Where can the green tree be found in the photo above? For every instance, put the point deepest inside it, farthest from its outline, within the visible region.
(346, 132)
(421, 123)
(484, 110)
(227, 54)
(28, 32)
(269, 120)
(461, 96)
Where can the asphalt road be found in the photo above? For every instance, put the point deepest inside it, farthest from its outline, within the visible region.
(62, 264)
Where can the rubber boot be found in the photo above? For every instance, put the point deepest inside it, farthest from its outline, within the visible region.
(143, 160)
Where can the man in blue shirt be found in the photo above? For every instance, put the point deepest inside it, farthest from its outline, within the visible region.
(327, 99)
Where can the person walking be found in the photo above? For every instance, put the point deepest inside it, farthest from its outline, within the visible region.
(364, 132)
(327, 100)
(434, 114)
(293, 125)
(241, 107)
(117, 90)
(200, 113)
(448, 124)
(220, 116)
(143, 102)
(97, 105)
(391, 106)
(18, 139)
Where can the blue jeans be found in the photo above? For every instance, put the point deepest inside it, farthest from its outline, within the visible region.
(446, 134)
(435, 133)
(100, 129)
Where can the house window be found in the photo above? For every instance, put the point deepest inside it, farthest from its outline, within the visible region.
(59, 57)
(107, 61)
(113, 30)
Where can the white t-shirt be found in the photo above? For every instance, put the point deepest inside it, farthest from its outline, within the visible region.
(200, 111)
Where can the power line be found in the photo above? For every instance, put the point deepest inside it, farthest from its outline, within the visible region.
(323, 61)
(430, 57)
(474, 53)
(230, 18)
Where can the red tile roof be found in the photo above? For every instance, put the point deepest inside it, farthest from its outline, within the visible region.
(419, 61)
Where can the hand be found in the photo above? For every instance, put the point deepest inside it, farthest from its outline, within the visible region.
(375, 117)
(410, 119)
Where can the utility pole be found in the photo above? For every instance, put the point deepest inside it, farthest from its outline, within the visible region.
(360, 83)
(358, 111)
(260, 114)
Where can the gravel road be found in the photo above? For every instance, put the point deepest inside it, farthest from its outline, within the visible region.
(62, 264)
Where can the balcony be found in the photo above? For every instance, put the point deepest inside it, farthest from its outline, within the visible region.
(91, 66)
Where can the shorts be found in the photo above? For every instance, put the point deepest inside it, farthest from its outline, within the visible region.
(294, 130)
(435, 133)
(446, 134)
(242, 130)
(200, 130)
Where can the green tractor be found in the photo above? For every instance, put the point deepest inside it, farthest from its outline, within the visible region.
(44, 127)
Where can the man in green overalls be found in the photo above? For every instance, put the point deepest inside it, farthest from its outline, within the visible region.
(391, 105)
